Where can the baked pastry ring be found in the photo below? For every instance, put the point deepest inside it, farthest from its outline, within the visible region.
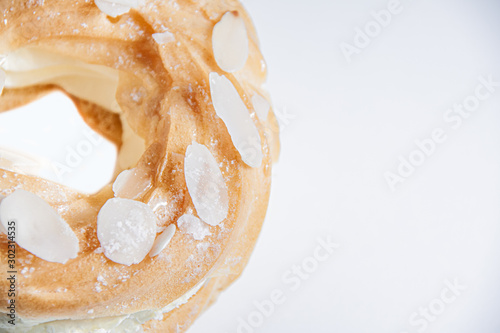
(177, 86)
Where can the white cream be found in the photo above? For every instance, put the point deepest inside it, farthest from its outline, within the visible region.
(116, 324)
(22, 162)
(30, 66)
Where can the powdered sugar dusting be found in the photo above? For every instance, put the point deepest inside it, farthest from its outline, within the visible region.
(203, 247)
(165, 209)
(205, 184)
(193, 226)
(126, 230)
(164, 37)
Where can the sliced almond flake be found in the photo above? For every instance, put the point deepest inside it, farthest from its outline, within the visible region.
(38, 227)
(261, 106)
(231, 109)
(131, 184)
(116, 8)
(193, 226)
(164, 37)
(205, 184)
(230, 42)
(126, 230)
(162, 240)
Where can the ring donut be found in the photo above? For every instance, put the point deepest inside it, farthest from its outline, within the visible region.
(177, 87)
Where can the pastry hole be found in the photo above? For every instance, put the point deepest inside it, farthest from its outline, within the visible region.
(49, 139)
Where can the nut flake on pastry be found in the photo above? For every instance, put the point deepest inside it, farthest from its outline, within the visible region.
(131, 184)
(116, 8)
(230, 42)
(231, 109)
(163, 240)
(126, 230)
(205, 184)
(38, 228)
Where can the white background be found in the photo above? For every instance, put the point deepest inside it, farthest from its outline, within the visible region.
(351, 123)
(344, 125)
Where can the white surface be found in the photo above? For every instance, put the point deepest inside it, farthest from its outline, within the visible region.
(350, 123)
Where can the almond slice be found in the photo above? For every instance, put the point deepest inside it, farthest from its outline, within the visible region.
(131, 184)
(162, 240)
(38, 227)
(231, 109)
(230, 42)
(126, 230)
(205, 184)
(116, 8)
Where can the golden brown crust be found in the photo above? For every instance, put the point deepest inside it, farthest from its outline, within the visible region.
(174, 109)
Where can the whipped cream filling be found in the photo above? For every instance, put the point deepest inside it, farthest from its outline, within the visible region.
(30, 66)
(116, 324)
(98, 84)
